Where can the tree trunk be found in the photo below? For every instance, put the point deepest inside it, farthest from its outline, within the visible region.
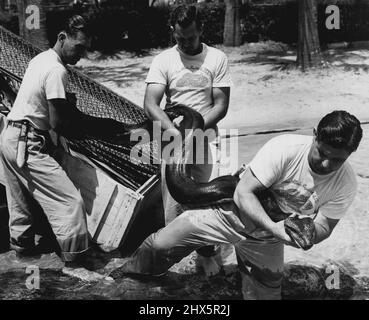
(308, 52)
(38, 35)
(232, 36)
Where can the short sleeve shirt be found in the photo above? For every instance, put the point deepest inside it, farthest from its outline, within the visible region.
(189, 80)
(282, 165)
(44, 79)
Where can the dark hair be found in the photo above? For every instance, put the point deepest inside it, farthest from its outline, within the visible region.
(184, 15)
(74, 24)
(341, 130)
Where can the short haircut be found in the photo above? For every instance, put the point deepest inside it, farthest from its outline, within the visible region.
(185, 15)
(74, 24)
(340, 130)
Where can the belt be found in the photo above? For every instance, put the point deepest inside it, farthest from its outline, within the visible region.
(20, 123)
(25, 127)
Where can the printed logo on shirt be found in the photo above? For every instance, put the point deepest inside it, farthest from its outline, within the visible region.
(296, 198)
(196, 78)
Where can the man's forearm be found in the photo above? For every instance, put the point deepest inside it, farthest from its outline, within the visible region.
(217, 113)
(155, 113)
(250, 208)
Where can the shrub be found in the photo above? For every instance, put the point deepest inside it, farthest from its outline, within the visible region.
(133, 25)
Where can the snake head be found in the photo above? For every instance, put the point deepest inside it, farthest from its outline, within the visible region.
(301, 231)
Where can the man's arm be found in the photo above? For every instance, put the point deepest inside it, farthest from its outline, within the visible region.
(64, 117)
(249, 205)
(323, 227)
(220, 108)
(153, 96)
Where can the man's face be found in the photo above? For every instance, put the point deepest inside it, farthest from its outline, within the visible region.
(324, 159)
(74, 48)
(188, 39)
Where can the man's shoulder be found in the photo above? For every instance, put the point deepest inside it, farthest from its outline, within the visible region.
(46, 61)
(291, 140)
(167, 53)
(348, 175)
(43, 56)
(215, 52)
(285, 147)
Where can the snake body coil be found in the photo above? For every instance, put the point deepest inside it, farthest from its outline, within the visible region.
(185, 190)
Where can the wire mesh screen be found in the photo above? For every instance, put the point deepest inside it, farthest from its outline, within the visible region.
(92, 99)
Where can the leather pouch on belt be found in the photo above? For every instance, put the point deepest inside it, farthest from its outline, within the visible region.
(22, 145)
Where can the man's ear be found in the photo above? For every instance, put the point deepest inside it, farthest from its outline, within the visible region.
(201, 29)
(62, 36)
(315, 133)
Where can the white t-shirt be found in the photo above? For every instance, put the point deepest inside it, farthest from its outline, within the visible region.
(189, 80)
(44, 79)
(282, 165)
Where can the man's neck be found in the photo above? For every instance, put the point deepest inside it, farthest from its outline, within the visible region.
(199, 50)
(58, 52)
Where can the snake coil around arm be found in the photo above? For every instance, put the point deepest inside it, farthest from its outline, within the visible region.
(186, 190)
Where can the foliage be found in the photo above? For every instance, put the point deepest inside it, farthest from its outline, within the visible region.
(9, 21)
(133, 25)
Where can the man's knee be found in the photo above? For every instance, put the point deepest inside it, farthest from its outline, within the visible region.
(175, 239)
(160, 245)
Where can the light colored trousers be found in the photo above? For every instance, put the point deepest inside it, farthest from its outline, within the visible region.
(44, 180)
(260, 256)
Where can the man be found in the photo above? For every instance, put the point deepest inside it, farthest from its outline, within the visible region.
(196, 75)
(31, 172)
(306, 175)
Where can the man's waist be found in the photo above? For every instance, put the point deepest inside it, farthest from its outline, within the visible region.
(30, 127)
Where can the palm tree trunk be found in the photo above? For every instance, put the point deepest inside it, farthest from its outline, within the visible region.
(308, 53)
(38, 36)
(232, 24)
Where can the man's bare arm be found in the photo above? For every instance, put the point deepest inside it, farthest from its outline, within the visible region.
(220, 108)
(153, 96)
(64, 117)
(249, 205)
(323, 227)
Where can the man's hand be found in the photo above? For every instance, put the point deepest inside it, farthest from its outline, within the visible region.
(280, 233)
(173, 132)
